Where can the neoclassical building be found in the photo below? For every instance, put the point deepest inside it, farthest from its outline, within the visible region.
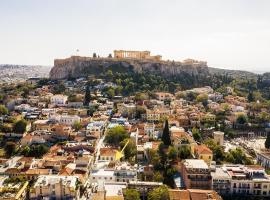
(136, 55)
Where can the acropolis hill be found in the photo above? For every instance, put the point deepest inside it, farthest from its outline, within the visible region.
(123, 61)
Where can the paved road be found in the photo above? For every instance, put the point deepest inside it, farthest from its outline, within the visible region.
(99, 145)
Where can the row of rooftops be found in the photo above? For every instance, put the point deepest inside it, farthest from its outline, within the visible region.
(240, 172)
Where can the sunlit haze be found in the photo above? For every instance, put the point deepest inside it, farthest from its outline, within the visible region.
(232, 34)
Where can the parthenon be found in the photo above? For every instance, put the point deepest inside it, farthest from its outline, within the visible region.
(142, 55)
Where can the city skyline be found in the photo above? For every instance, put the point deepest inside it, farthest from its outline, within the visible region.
(231, 34)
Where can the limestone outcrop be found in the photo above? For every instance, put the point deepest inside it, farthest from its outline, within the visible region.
(77, 66)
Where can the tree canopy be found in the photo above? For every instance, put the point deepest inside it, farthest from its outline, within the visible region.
(36, 151)
(116, 135)
(20, 126)
(130, 150)
(3, 110)
(10, 148)
(166, 134)
(132, 194)
(87, 96)
(242, 119)
(160, 193)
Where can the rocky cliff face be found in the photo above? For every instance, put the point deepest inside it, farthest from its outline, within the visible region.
(76, 66)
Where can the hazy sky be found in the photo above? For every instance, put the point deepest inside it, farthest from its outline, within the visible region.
(226, 33)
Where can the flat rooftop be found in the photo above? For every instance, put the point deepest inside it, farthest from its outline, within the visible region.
(220, 173)
(114, 189)
(195, 164)
(102, 172)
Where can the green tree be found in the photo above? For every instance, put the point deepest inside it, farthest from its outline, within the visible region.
(139, 111)
(25, 151)
(158, 177)
(110, 92)
(116, 135)
(141, 96)
(160, 193)
(58, 88)
(37, 151)
(6, 128)
(172, 153)
(250, 96)
(10, 148)
(219, 154)
(162, 151)
(263, 117)
(3, 110)
(191, 96)
(132, 194)
(87, 96)
(184, 152)
(242, 119)
(196, 134)
(109, 75)
(25, 92)
(267, 142)
(166, 134)
(237, 156)
(77, 125)
(202, 98)
(130, 150)
(153, 157)
(20, 126)
(94, 55)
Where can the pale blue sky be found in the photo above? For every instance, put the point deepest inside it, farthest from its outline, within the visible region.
(227, 33)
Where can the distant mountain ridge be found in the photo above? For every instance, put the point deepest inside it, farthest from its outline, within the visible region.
(233, 73)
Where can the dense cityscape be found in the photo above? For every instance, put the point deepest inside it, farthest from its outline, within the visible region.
(120, 134)
(134, 100)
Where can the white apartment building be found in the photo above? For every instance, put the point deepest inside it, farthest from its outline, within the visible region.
(55, 187)
(69, 119)
(96, 128)
(241, 180)
(59, 100)
(149, 129)
(122, 172)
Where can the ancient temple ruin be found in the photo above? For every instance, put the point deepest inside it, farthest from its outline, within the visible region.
(141, 55)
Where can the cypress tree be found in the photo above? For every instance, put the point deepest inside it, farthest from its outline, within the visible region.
(87, 96)
(166, 134)
(267, 141)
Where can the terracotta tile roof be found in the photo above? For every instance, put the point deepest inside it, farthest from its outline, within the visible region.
(203, 195)
(107, 152)
(38, 172)
(193, 194)
(203, 149)
(66, 172)
(179, 195)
